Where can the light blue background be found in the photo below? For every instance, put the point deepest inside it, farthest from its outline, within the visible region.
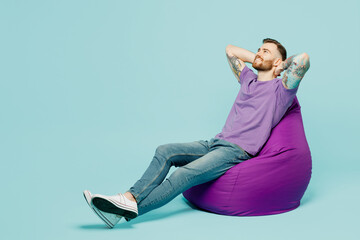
(89, 89)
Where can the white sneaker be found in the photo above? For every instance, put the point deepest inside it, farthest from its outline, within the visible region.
(116, 204)
(109, 219)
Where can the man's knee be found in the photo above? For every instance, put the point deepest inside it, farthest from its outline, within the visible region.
(162, 150)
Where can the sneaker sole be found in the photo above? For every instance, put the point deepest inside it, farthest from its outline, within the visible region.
(101, 216)
(111, 207)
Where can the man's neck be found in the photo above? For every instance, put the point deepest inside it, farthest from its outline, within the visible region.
(264, 76)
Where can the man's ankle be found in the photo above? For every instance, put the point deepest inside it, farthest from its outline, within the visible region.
(129, 196)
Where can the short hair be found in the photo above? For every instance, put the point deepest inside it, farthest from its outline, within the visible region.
(280, 47)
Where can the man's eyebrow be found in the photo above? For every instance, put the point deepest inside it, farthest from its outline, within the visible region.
(265, 49)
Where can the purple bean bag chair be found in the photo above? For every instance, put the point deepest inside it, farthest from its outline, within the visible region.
(272, 182)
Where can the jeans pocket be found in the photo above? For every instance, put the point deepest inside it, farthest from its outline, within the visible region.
(205, 143)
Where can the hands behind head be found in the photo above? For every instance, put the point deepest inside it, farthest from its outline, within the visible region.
(279, 69)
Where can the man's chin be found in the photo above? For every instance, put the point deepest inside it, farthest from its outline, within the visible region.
(257, 67)
(261, 68)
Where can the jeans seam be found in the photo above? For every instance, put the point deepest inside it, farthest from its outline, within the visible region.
(166, 161)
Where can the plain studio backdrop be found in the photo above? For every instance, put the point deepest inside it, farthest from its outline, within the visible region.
(89, 89)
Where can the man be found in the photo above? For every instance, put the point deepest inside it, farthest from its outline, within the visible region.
(261, 103)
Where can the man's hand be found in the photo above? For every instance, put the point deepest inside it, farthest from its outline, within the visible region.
(279, 69)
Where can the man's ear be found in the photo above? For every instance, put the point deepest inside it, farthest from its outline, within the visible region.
(277, 62)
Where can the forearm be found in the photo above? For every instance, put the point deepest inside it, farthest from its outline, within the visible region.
(241, 53)
(296, 60)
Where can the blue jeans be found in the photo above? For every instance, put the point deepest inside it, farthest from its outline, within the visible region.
(198, 162)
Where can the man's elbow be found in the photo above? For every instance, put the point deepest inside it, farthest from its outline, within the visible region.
(228, 48)
(305, 56)
(304, 59)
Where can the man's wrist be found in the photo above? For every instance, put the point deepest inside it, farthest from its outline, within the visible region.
(282, 66)
(287, 62)
(253, 58)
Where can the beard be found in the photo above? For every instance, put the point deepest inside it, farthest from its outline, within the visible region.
(262, 65)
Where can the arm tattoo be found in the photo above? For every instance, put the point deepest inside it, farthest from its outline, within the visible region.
(296, 66)
(235, 65)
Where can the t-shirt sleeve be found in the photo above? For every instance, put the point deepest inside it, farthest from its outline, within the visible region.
(285, 96)
(246, 75)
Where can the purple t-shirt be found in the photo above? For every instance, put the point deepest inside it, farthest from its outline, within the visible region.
(258, 107)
